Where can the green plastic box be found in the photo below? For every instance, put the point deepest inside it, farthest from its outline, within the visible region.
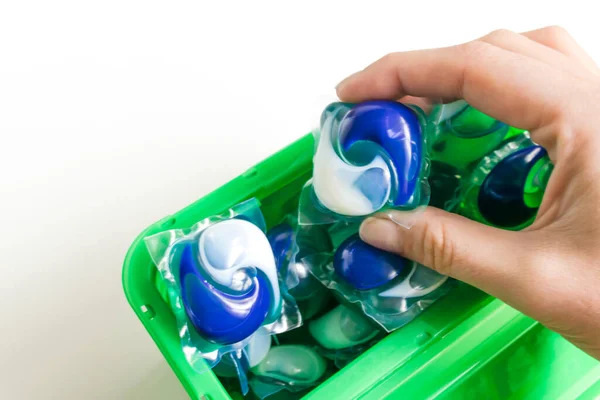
(468, 345)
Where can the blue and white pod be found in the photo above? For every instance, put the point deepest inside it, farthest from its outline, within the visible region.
(369, 157)
(389, 289)
(229, 282)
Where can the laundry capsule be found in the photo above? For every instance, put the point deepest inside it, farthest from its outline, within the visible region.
(506, 189)
(341, 328)
(367, 268)
(297, 365)
(229, 282)
(368, 156)
(220, 279)
(389, 289)
(464, 135)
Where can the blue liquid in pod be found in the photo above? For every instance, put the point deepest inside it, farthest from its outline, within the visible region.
(500, 198)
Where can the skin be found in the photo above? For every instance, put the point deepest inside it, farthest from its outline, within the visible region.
(542, 81)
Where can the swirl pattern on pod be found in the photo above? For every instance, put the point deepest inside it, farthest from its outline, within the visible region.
(368, 155)
(229, 282)
(501, 197)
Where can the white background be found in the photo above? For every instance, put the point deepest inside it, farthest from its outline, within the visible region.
(114, 114)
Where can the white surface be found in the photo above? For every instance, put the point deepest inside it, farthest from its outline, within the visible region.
(114, 114)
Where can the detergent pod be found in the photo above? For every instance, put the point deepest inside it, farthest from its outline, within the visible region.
(344, 334)
(308, 292)
(506, 187)
(461, 135)
(389, 289)
(369, 157)
(224, 289)
(294, 368)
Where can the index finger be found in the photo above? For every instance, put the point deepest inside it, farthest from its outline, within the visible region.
(511, 87)
(560, 40)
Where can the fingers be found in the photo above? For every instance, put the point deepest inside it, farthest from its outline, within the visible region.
(559, 39)
(421, 102)
(493, 260)
(530, 47)
(516, 89)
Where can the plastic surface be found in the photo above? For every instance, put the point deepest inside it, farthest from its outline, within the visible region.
(224, 288)
(310, 295)
(256, 350)
(281, 238)
(369, 157)
(466, 345)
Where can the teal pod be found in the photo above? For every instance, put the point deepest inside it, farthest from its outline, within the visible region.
(463, 135)
(294, 365)
(341, 328)
(315, 303)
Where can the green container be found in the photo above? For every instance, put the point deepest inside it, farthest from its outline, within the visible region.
(468, 345)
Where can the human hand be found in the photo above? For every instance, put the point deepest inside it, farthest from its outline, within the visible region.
(541, 81)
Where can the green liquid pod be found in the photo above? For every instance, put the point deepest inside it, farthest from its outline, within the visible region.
(463, 135)
(506, 188)
(294, 365)
(341, 328)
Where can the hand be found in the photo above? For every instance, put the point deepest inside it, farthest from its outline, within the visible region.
(541, 81)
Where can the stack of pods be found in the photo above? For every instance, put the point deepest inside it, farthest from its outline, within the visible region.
(275, 312)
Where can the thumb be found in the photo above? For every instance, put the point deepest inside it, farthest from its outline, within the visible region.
(494, 260)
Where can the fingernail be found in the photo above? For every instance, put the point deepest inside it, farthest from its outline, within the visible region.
(378, 232)
(340, 86)
(405, 219)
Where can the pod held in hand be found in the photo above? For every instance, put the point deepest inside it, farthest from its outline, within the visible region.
(389, 289)
(369, 157)
(365, 267)
(506, 188)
